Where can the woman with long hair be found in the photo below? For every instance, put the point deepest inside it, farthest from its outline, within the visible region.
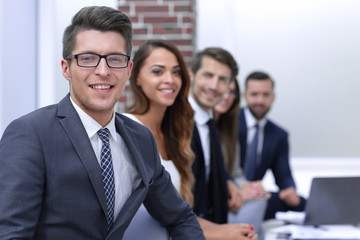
(226, 118)
(160, 103)
(254, 196)
(160, 84)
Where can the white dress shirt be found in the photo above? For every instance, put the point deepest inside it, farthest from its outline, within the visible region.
(201, 118)
(126, 176)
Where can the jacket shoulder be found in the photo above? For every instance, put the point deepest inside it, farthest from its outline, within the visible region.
(38, 117)
(274, 127)
(133, 125)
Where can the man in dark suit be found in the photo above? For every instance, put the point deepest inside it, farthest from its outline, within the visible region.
(271, 149)
(212, 69)
(78, 170)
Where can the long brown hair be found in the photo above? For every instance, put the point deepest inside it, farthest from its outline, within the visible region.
(227, 127)
(177, 124)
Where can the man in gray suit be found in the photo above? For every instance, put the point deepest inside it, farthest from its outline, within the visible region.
(78, 170)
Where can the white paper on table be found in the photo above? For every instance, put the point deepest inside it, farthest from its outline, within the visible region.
(291, 217)
(322, 232)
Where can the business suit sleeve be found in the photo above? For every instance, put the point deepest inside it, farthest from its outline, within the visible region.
(281, 170)
(21, 181)
(165, 204)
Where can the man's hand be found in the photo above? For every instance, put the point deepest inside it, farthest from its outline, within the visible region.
(235, 199)
(290, 196)
(253, 190)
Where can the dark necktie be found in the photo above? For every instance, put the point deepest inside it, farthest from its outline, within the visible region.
(108, 174)
(252, 156)
(217, 188)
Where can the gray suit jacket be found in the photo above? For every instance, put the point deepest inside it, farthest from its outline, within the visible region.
(51, 184)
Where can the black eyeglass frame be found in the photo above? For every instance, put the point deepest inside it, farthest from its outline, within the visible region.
(75, 56)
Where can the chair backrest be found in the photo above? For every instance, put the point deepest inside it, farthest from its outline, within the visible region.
(144, 226)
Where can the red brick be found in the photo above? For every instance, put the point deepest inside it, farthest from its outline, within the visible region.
(123, 98)
(182, 42)
(141, 30)
(188, 19)
(187, 53)
(134, 19)
(138, 42)
(125, 9)
(189, 30)
(152, 9)
(164, 19)
(183, 8)
(127, 87)
(166, 30)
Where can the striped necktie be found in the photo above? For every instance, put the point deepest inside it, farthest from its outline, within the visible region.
(107, 173)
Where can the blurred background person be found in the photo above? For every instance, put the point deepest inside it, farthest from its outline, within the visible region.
(253, 194)
(264, 145)
(215, 191)
(160, 84)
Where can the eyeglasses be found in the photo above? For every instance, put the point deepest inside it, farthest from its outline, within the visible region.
(93, 60)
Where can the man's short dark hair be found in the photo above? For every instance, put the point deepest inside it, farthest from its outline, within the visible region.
(220, 55)
(258, 75)
(98, 18)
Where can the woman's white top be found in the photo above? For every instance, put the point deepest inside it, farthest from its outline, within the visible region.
(143, 225)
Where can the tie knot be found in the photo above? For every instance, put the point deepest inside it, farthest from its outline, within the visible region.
(104, 135)
(256, 126)
(210, 122)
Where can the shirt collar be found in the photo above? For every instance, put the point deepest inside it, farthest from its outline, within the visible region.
(201, 116)
(91, 125)
(251, 121)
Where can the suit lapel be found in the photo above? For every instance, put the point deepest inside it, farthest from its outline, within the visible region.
(138, 195)
(198, 167)
(199, 163)
(128, 211)
(74, 128)
(242, 138)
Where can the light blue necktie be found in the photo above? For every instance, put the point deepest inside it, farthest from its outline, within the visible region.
(252, 156)
(107, 173)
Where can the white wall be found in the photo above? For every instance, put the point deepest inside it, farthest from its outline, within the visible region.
(54, 17)
(18, 59)
(1, 59)
(30, 49)
(312, 50)
(305, 169)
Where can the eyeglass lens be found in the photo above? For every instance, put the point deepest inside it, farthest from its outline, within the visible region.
(92, 60)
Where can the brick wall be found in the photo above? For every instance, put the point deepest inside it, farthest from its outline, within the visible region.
(172, 20)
